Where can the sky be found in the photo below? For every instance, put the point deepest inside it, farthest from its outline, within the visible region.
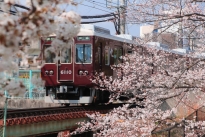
(97, 7)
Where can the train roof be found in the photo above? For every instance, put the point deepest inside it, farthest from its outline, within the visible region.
(92, 30)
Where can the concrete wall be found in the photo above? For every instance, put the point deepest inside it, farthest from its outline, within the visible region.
(26, 103)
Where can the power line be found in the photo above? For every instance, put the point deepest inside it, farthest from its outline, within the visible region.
(98, 16)
(21, 6)
(97, 8)
(98, 21)
(114, 3)
(104, 3)
(65, 7)
(10, 12)
(14, 12)
(94, 2)
(93, 7)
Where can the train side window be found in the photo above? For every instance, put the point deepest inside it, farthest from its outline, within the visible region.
(99, 55)
(49, 55)
(115, 55)
(120, 52)
(107, 55)
(66, 55)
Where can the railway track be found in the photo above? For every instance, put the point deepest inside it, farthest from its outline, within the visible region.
(50, 119)
(19, 113)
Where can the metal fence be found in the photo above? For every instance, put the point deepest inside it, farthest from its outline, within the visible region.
(1, 125)
(25, 76)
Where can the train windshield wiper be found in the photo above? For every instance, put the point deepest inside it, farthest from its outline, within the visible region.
(81, 61)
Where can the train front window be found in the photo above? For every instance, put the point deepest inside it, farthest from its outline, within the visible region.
(83, 53)
(49, 55)
(66, 55)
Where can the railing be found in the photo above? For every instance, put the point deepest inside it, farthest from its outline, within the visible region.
(1, 126)
(26, 79)
(27, 82)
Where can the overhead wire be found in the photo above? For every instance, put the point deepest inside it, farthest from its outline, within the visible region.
(98, 16)
(83, 17)
(14, 12)
(9, 12)
(89, 22)
(104, 3)
(101, 4)
(21, 6)
(65, 8)
(113, 2)
(93, 7)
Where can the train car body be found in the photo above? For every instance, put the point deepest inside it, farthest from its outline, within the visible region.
(68, 80)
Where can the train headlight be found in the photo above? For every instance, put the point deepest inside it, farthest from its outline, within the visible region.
(51, 72)
(80, 72)
(46, 72)
(86, 72)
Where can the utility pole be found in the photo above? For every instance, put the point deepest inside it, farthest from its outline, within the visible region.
(122, 18)
(120, 5)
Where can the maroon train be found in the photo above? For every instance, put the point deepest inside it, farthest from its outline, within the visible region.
(94, 50)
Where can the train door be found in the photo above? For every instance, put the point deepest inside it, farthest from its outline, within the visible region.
(65, 65)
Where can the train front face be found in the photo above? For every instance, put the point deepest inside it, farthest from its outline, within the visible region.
(68, 80)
